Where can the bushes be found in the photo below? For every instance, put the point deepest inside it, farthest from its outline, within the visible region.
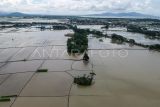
(86, 57)
(134, 28)
(118, 39)
(150, 34)
(6, 98)
(59, 27)
(84, 80)
(155, 47)
(42, 70)
(106, 26)
(131, 41)
(78, 43)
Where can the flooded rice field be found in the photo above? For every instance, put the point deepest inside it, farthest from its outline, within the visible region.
(127, 75)
(30, 20)
(91, 27)
(139, 38)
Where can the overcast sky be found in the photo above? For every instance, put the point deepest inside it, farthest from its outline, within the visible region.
(71, 7)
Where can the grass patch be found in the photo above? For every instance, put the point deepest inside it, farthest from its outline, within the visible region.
(24, 60)
(100, 40)
(85, 80)
(42, 70)
(155, 47)
(8, 96)
(4, 99)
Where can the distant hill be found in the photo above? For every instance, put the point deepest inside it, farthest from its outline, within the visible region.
(107, 15)
(124, 15)
(14, 14)
(17, 14)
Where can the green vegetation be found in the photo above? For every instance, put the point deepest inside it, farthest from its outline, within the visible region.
(155, 47)
(101, 40)
(84, 80)
(8, 96)
(42, 70)
(24, 60)
(69, 34)
(150, 34)
(86, 57)
(118, 39)
(78, 43)
(106, 26)
(4, 99)
(59, 27)
(131, 41)
(97, 34)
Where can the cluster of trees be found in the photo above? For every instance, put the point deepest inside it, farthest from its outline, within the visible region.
(78, 43)
(155, 47)
(87, 21)
(16, 25)
(106, 26)
(59, 27)
(85, 80)
(119, 23)
(118, 39)
(54, 27)
(88, 31)
(150, 34)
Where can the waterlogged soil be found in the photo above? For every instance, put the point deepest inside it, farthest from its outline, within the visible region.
(112, 101)
(3, 77)
(106, 43)
(91, 27)
(7, 104)
(60, 52)
(38, 38)
(121, 81)
(125, 75)
(48, 84)
(139, 38)
(82, 65)
(23, 54)
(41, 53)
(6, 54)
(20, 67)
(41, 102)
(14, 84)
(57, 65)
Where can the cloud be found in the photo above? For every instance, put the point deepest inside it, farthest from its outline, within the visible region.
(74, 6)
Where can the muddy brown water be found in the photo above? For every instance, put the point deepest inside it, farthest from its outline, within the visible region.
(123, 77)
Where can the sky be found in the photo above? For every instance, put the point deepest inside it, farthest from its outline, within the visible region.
(80, 7)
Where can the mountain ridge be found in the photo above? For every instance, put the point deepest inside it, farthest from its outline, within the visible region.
(106, 14)
(124, 14)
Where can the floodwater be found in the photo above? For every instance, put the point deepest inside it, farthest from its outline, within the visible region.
(139, 38)
(126, 76)
(31, 20)
(91, 27)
